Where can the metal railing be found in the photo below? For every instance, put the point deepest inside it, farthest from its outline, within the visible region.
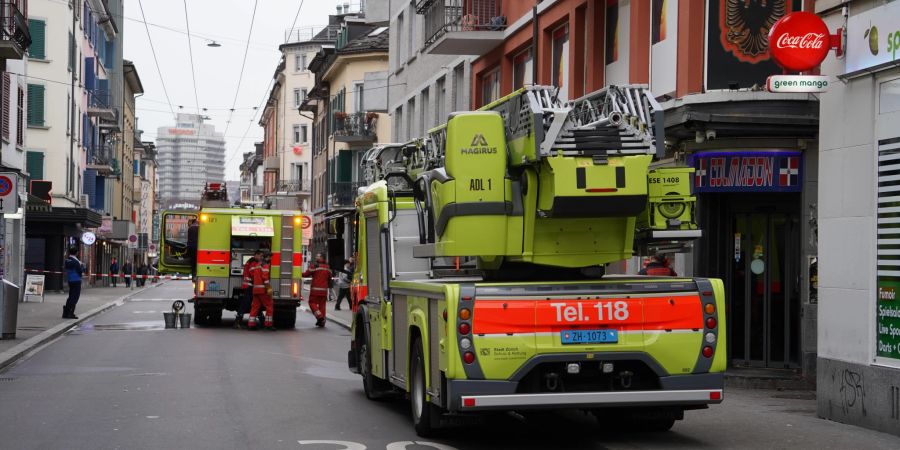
(443, 16)
(355, 124)
(343, 194)
(294, 186)
(99, 98)
(14, 25)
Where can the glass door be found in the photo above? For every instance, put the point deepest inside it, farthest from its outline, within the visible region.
(765, 300)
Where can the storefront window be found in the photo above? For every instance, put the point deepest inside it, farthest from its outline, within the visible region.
(561, 61)
(889, 97)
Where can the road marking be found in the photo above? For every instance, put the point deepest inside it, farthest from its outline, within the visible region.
(153, 417)
(345, 445)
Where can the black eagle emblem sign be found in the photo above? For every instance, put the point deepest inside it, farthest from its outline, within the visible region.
(745, 26)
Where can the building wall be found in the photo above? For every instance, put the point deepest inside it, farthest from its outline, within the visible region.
(855, 384)
(12, 246)
(417, 78)
(344, 74)
(297, 152)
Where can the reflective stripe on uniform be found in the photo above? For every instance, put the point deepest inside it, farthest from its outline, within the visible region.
(318, 289)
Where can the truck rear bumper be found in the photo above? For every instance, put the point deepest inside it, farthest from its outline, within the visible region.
(591, 399)
(681, 390)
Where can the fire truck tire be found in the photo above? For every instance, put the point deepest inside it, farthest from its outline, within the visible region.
(199, 316)
(374, 388)
(426, 416)
(285, 318)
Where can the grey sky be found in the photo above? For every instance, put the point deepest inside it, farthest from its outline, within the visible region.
(217, 69)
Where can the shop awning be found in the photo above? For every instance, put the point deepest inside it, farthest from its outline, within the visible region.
(86, 217)
(252, 226)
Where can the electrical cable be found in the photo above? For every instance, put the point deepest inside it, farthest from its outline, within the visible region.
(187, 24)
(156, 60)
(237, 91)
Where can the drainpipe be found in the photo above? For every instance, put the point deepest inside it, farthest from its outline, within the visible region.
(69, 172)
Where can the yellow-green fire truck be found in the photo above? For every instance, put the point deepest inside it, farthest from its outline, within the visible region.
(227, 238)
(481, 253)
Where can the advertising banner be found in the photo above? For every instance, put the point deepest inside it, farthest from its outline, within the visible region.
(873, 37)
(752, 171)
(887, 303)
(738, 41)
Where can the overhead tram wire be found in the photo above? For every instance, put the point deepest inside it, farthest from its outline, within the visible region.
(187, 24)
(237, 90)
(156, 60)
(259, 110)
(294, 23)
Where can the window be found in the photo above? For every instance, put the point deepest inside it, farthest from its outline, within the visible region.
(6, 106)
(20, 121)
(398, 122)
(423, 115)
(358, 89)
(561, 61)
(410, 118)
(440, 90)
(37, 28)
(303, 94)
(297, 98)
(35, 105)
(490, 86)
(297, 134)
(400, 47)
(34, 164)
(411, 31)
(303, 134)
(523, 69)
(459, 85)
(71, 52)
(300, 59)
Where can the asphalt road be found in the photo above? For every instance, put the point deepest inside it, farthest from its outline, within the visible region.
(122, 381)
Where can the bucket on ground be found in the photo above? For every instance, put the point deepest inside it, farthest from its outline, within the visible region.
(185, 320)
(169, 317)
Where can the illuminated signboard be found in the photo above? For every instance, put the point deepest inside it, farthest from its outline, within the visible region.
(758, 171)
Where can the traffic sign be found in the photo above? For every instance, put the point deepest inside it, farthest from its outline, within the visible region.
(9, 193)
(306, 222)
(132, 241)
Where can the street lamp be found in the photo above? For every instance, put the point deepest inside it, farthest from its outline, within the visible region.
(213, 44)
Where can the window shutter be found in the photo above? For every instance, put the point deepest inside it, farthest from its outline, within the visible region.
(6, 112)
(20, 116)
(71, 51)
(37, 30)
(90, 187)
(36, 105)
(34, 164)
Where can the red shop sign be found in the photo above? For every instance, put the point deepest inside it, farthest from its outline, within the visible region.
(799, 41)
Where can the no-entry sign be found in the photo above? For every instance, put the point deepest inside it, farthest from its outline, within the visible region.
(9, 193)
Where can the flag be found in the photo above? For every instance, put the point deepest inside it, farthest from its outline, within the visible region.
(789, 171)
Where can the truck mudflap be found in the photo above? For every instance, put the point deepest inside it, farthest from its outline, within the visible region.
(685, 391)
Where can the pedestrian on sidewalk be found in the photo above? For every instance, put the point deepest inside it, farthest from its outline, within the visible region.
(345, 276)
(246, 300)
(114, 271)
(142, 275)
(126, 270)
(262, 294)
(318, 290)
(74, 271)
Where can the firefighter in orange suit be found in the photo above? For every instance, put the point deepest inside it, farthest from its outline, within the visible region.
(246, 299)
(262, 294)
(318, 290)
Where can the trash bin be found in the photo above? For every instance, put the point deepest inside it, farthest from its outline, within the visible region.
(9, 310)
(185, 320)
(169, 317)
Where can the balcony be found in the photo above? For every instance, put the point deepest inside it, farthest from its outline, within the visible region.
(100, 105)
(14, 35)
(343, 194)
(105, 166)
(462, 27)
(356, 128)
(294, 187)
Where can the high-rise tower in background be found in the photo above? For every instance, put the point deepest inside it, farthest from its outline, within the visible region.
(191, 154)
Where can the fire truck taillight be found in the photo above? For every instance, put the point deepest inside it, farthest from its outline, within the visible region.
(469, 357)
(711, 322)
(710, 308)
(465, 314)
(297, 221)
(295, 289)
(202, 289)
(204, 217)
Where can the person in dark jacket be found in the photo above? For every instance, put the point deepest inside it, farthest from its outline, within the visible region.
(658, 267)
(74, 270)
(114, 271)
(142, 273)
(127, 269)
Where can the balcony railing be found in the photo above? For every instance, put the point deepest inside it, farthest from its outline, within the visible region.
(294, 186)
(450, 16)
(343, 194)
(355, 127)
(100, 104)
(14, 35)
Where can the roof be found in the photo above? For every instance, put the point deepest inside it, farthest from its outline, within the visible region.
(327, 35)
(132, 77)
(367, 43)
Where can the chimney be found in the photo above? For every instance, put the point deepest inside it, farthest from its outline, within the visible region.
(339, 9)
(346, 7)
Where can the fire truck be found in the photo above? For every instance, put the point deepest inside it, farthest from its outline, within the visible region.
(480, 283)
(226, 238)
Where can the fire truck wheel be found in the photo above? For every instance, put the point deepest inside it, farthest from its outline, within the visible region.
(375, 389)
(285, 318)
(200, 316)
(426, 417)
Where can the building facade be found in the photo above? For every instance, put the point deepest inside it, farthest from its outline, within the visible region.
(14, 44)
(349, 101)
(426, 82)
(859, 311)
(191, 154)
(251, 190)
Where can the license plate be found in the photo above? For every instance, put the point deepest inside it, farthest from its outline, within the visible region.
(589, 336)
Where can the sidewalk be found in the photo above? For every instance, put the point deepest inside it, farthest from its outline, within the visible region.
(35, 318)
(343, 318)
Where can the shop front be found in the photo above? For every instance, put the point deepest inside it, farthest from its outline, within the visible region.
(750, 203)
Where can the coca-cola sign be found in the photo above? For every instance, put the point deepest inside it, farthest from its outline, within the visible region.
(799, 41)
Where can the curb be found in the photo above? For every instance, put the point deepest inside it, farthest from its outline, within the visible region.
(12, 355)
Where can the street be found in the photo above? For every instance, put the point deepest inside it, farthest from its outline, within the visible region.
(121, 380)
